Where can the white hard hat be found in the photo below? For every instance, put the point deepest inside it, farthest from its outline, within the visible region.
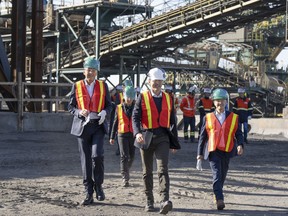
(207, 90)
(168, 87)
(138, 89)
(241, 90)
(191, 89)
(156, 74)
(119, 87)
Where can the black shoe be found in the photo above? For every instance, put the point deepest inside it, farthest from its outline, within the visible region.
(165, 207)
(149, 207)
(88, 200)
(100, 196)
(246, 141)
(117, 152)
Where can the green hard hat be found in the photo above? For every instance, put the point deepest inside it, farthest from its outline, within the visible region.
(128, 83)
(91, 62)
(220, 94)
(129, 92)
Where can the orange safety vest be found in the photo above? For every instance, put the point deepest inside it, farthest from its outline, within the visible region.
(221, 136)
(242, 104)
(124, 123)
(150, 116)
(207, 104)
(188, 110)
(94, 104)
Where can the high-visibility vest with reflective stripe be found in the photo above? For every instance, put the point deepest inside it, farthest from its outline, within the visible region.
(94, 104)
(150, 116)
(207, 104)
(124, 123)
(242, 104)
(221, 136)
(188, 110)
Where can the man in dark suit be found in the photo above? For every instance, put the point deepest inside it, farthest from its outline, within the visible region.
(89, 104)
(217, 141)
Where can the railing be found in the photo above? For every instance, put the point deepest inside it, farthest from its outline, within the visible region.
(53, 98)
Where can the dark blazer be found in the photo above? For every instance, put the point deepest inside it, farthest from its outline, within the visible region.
(78, 120)
(204, 137)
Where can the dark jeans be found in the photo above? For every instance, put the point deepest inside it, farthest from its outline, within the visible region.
(219, 163)
(127, 153)
(159, 148)
(189, 121)
(245, 129)
(91, 150)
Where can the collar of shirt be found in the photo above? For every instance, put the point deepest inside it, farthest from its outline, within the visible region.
(220, 116)
(156, 96)
(90, 88)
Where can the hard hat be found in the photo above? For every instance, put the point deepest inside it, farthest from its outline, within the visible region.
(192, 89)
(91, 62)
(119, 87)
(220, 94)
(129, 92)
(156, 74)
(128, 83)
(138, 89)
(168, 88)
(241, 90)
(207, 90)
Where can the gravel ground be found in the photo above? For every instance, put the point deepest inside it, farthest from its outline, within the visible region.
(40, 175)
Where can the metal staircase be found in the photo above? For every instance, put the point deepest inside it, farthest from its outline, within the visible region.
(185, 25)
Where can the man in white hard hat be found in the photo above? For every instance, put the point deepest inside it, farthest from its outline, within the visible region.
(242, 106)
(153, 116)
(188, 108)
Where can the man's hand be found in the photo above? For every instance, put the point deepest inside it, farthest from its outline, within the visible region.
(200, 157)
(84, 113)
(240, 150)
(111, 141)
(139, 138)
(102, 115)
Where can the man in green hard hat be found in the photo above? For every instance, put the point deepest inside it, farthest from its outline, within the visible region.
(217, 142)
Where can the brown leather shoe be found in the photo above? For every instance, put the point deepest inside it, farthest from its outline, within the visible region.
(220, 204)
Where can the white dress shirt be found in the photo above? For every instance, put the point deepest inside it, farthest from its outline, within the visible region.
(220, 116)
(90, 88)
(156, 96)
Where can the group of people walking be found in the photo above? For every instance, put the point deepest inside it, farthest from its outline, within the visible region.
(149, 123)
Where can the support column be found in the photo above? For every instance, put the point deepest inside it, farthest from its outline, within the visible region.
(37, 51)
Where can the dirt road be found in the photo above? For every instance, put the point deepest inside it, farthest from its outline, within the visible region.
(40, 175)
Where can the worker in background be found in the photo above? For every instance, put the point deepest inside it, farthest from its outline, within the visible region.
(116, 100)
(187, 106)
(90, 102)
(169, 90)
(153, 115)
(205, 105)
(217, 143)
(138, 91)
(123, 124)
(243, 107)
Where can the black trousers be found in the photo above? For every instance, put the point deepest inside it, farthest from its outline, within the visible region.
(91, 150)
(127, 153)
